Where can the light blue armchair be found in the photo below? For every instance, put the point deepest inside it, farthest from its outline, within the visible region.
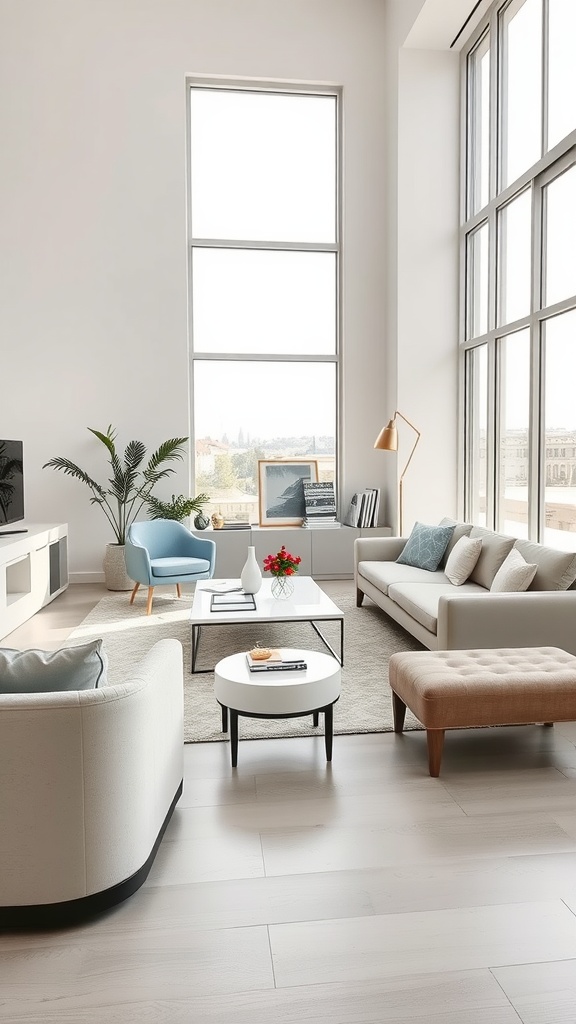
(163, 551)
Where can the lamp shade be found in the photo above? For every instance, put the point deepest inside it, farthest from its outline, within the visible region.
(387, 439)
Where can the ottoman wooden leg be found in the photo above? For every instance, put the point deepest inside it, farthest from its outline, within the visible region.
(399, 711)
(548, 725)
(435, 739)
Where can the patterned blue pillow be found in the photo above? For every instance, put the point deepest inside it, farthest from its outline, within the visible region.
(425, 546)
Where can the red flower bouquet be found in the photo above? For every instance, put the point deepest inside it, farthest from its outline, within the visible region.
(282, 563)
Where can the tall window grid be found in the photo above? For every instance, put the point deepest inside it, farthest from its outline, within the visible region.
(264, 284)
(518, 332)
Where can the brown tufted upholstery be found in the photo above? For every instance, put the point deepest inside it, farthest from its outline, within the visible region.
(460, 689)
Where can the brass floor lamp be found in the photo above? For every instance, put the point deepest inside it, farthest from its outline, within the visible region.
(387, 441)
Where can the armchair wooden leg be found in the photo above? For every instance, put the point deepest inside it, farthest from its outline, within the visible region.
(150, 597)
(133, 595)
(178, 591)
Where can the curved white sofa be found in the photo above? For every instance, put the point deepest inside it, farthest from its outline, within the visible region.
(445, 617)
(88, 782)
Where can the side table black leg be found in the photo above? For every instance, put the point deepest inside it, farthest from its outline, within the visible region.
(224, 718)
(315, 718)
(234, 737)
(328, 730)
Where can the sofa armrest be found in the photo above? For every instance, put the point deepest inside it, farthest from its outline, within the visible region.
(378, 549)
(530, 619)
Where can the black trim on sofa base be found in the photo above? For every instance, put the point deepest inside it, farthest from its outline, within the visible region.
(61, 915)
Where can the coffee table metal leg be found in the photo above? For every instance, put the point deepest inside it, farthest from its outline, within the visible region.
(315, 718)
(224, 718)
(328, 730)
(196, 630)
(234, 737)
(328, 646)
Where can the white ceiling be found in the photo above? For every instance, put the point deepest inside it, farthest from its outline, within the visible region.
(440, 21)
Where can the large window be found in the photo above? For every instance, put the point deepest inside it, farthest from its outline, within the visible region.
(264, 285)
(519, 300)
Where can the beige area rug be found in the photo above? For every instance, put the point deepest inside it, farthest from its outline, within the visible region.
(371, 637)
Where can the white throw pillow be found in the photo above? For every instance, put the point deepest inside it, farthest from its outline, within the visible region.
(515, 574)
(462, 559)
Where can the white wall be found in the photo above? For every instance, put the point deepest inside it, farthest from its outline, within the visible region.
(92, 207)
(428, 218)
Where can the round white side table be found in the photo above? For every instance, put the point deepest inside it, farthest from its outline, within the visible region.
(278, 693)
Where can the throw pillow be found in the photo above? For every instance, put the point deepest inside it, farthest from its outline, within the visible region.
(33, 671)
(425, 546)
(460, 530)
(514, 575)
(495, 547)
(462, 559)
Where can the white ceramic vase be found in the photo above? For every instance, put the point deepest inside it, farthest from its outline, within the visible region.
(251, 577)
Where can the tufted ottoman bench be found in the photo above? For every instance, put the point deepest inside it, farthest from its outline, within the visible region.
(462, 689)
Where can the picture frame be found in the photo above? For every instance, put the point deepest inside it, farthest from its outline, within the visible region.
(280, 491)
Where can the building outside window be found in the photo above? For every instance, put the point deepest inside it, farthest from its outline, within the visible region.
(519, 303)
(264, 266)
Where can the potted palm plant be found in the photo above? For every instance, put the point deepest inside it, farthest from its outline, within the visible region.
(134, 476)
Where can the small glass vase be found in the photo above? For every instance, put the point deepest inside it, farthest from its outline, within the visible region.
(282, 587)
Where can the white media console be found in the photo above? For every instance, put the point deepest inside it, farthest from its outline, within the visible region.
(33, 571)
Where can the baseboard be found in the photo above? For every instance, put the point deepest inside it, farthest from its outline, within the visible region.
(85, 577)
(62, 915)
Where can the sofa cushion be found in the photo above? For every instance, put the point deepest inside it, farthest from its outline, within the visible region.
(514, 575)
(462, 559)
(422, 602)
(495, 547)
(72, 668)
(425, 546)
(460, 530)
(555, 569)
(383, 574)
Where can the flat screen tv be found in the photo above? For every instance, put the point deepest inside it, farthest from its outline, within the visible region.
(11, 483)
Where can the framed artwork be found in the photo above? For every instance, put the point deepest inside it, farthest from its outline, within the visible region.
(280, 490)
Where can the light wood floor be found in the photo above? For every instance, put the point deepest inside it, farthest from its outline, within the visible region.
(290, 891)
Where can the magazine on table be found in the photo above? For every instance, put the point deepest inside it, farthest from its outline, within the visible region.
(276, 662)
(232, 602)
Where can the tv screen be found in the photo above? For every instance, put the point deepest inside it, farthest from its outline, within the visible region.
(11, 482)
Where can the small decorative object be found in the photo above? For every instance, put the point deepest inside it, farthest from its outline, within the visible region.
(217, 521)
(282, 565)
(251, 577)
(201, 521)
(282, 588)
(260, 653)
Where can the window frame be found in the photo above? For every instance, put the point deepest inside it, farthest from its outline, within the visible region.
(536, 178)
(192, 242)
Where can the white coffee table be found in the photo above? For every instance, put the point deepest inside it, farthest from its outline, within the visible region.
(308, 604)
(278, 694)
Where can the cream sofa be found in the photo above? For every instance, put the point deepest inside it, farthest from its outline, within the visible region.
(446, 617)
(88, 782)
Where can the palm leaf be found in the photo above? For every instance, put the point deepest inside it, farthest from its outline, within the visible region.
(71, 469)
(170, 450)
(134, 454)
(107, 439)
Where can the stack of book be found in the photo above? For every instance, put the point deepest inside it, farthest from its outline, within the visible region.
(319, 506)
(275, 663)
(236, 524)
(364, 508)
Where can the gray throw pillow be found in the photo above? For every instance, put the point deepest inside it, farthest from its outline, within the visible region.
(495, 547)
(425, 546)
(71, 668)
(460, 530)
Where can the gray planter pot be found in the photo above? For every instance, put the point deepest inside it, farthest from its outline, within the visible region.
(115, 575)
